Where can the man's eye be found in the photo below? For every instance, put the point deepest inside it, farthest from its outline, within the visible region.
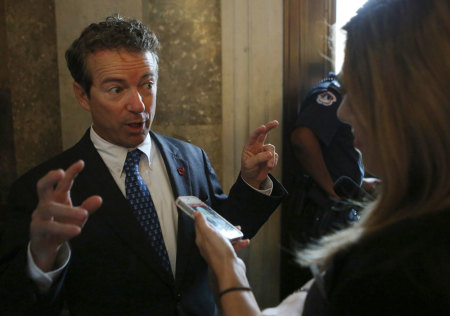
(148, 85)
(115, 90)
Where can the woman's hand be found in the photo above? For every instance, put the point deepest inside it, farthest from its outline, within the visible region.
(227, 267)
(243, 243)
(220, 254)
(215, 249)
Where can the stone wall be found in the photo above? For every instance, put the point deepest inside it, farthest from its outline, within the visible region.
(30, 113)
(189, 103)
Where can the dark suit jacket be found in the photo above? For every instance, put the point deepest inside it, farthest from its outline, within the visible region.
(113, 269)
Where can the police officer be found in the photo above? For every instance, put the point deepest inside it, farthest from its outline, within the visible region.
(323, 146)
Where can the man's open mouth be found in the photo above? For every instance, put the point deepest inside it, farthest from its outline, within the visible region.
(139, 124)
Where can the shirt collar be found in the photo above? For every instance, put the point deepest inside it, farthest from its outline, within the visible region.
(114, 156)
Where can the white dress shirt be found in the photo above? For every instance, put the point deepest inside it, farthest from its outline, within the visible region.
(153, 171)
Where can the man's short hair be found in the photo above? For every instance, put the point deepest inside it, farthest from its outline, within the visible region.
(114, 33)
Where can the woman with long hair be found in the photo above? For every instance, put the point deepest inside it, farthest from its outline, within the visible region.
(396, 259)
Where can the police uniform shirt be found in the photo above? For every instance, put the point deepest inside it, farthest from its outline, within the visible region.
(318, 112)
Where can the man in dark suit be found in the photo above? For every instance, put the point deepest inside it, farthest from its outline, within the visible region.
(77, 243)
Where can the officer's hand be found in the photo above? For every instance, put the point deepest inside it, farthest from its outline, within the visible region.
(371, 184)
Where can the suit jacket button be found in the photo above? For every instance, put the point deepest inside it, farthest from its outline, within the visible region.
(178, 297)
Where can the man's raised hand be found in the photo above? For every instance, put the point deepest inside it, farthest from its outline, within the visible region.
(55, 220)
(258, 158)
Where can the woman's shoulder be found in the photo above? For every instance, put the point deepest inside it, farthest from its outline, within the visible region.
(426, 230)
(414, 242)
(400, 267)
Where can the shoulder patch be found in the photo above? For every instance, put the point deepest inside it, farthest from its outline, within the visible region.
(326, 98)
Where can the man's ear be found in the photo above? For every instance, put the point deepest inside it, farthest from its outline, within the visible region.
(81, 96)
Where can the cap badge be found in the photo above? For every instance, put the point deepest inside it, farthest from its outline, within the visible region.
(326, 98)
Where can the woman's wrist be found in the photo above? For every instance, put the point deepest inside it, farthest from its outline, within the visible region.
(232, 274)
(234, 289)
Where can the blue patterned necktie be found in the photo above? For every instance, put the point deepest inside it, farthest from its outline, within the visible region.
(141, 202)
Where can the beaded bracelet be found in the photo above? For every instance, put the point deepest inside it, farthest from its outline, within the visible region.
(237, 288)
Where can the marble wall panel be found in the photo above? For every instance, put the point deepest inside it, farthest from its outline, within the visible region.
(32, 65)
(7, 161)
(30, 102)
(69, 26)
(189, 102)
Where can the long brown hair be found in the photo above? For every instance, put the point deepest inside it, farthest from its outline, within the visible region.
(396, 73)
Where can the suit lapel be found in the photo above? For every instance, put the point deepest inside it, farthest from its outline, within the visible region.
(115, 212)
(177, 168)
(180, 175)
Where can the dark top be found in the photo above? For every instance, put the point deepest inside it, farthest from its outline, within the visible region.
(113, 269)
(403, 269)
(318, 112)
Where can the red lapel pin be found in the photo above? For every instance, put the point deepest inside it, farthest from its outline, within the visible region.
(181, 171)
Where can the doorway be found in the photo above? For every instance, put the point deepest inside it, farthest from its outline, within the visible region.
(313, 46)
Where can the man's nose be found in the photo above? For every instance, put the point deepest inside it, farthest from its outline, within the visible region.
(135, 103)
